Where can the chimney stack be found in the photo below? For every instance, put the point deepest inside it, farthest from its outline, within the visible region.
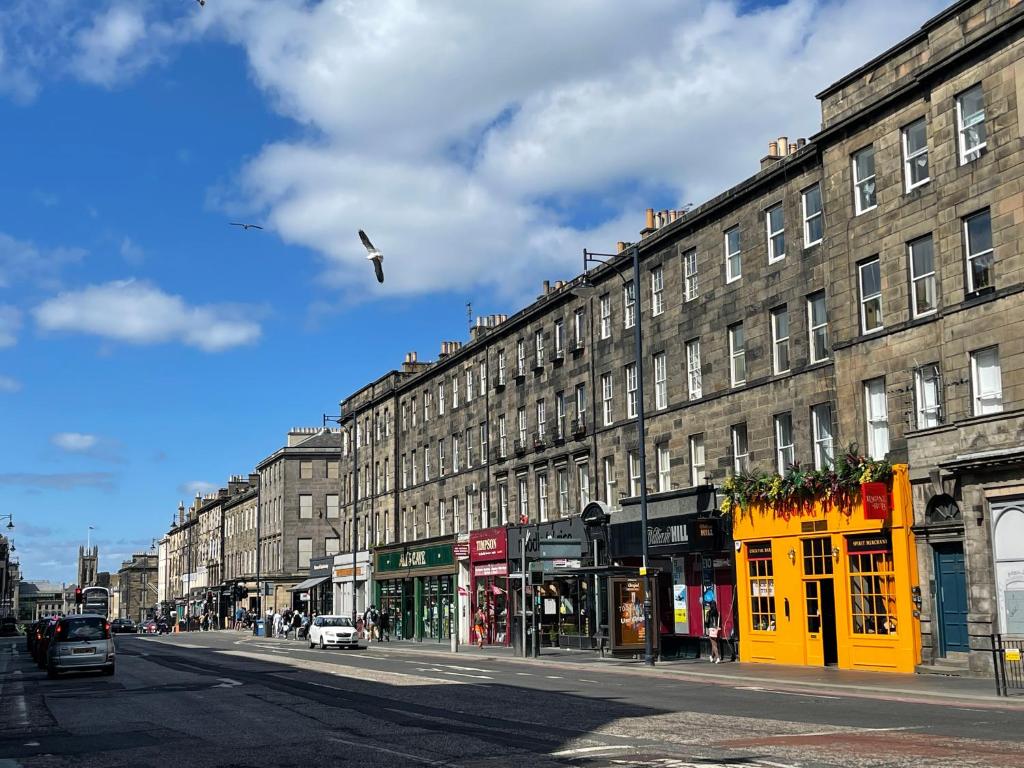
(783, 145)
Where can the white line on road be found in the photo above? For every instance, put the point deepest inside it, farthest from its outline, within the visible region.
(584, 680)
(554, 677)
(466, 674)
(364, 745)
(785, 693)
(524, 674)
(587, 750)
(227, 682)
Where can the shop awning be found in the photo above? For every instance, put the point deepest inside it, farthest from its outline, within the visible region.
(309, 584)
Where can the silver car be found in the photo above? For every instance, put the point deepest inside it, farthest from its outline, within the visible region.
(80, 642)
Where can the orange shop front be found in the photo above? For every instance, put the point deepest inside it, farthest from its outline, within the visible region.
(828, 584)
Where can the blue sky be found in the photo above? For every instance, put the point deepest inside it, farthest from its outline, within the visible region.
(148, 349)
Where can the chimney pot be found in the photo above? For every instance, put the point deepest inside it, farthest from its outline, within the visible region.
(620, 247)
(547, 287)
(801, 143)
(650, 218)
(783, 145)
(773, 149)
(792, 149)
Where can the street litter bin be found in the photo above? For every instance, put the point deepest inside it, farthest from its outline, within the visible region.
(261, 628)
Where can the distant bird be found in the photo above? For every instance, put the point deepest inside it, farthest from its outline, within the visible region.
(201, 3)
(373, 255)
(244, 226)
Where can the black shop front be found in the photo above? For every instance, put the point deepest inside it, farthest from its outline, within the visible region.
(691, 559)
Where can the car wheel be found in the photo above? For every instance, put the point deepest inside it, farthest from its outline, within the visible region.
(322, 646)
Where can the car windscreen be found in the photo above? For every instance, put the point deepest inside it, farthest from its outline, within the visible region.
(84, 628)
(340, 621)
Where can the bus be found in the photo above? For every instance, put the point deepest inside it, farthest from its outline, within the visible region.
(96, 600)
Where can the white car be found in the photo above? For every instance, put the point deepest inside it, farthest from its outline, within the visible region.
(334, 632)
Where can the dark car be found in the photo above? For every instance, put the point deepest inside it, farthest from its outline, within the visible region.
(30, 635)
(80, 643)
(8, 627)
(118, 626)
(43, 641)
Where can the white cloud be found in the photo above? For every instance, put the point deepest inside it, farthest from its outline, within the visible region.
(10, 323)
(115, 46)
(24, 262)
(192, 487)
(132, 252)
(468, 139)
(9, 385)
(137, 312)
(74, 442)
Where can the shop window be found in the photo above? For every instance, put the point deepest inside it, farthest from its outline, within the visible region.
(762, 595)
(872, 593)
(818, 556)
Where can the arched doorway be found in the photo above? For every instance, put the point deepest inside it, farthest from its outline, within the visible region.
(1008, 553)
(950, 579)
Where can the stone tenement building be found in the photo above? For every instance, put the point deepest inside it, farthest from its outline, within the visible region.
(137, 587)
(299, 515)
(861, 287)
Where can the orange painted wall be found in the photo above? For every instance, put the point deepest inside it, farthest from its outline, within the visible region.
(790, 642)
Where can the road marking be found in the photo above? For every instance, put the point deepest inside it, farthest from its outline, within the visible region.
(524, 674)
(465, 669)
(584, 680)
(227, 682)
(554, 677)
(784, 693)
(466, 674)
(364, 745)
(587, 750)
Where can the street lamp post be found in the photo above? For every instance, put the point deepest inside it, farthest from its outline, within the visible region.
(589, 258)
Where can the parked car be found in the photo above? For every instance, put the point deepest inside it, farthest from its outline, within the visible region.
(8, 627)
(118, 626)
(80, 642)
(334, 632)
(148, 627)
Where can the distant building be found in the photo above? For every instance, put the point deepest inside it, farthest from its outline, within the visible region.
(40, 598)
(88, 565)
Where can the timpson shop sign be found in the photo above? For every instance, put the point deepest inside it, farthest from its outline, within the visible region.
(488, 544)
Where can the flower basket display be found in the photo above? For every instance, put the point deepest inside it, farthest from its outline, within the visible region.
(796, 492)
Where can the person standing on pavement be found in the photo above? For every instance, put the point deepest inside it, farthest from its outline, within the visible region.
(384, 630)
(370, 621)
(713, 627)
(275, 621)
(296, 623)
(480, 626)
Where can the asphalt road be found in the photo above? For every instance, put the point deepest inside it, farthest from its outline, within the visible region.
(223, 699)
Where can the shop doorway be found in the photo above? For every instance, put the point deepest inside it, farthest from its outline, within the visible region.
(951, 598)
(818, 556)
(820, 605)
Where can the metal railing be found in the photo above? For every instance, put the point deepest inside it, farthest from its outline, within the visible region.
(1007, 655)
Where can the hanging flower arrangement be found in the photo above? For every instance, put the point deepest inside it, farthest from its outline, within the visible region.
(797, 491)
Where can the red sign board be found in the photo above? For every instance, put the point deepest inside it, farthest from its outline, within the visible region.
(875, 500)
(488, 544)
(461, 550)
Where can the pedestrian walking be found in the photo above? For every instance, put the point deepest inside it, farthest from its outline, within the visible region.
(713, 627)
(384, 630)
(480, 626)
(296, 623)
(276, 623)
(360, 625)
(370, 622)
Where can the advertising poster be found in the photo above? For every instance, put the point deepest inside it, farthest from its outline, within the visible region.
(629, 611)
(679, 603)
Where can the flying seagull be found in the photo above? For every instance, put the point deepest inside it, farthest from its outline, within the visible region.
(244, 226)
(373, 255)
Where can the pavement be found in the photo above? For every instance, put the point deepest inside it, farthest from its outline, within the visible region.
(227, 699)
(937, 689)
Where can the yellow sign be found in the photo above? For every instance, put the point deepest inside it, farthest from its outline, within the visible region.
(1012, 654)
(643, 571)
(680, 616)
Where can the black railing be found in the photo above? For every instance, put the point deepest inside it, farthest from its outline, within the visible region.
(1007, 655)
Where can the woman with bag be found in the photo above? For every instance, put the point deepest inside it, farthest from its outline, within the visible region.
(713, 626)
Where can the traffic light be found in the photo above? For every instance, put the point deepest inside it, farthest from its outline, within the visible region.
(78, 595)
